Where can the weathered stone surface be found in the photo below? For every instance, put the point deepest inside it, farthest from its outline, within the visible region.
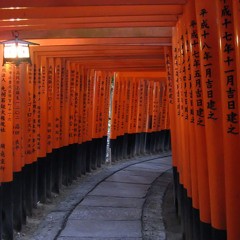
(98, 238)
(153, 224)
(109, 204)
(99, 201)
(115, 189)
(105, 213)
(105, 229)
(129, 177)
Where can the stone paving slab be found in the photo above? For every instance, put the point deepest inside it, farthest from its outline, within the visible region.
(105, 213)
(150, 165)
(105, 229)
(141, 172)
(99, 201)
(128, 177)
(153, 170)
(116, 189)
(98, 238)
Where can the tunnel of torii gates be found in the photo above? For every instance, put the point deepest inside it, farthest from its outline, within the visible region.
(173, 65)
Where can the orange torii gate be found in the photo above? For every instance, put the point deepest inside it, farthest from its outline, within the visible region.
(204, 104)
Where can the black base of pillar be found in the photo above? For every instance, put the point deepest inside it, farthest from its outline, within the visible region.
(113, 150)
(7, 210)
(193, 228)
(125, 146)
(93, 147)
(42, 180)
(99, 152)
(104, 149)
(17, 201)
(49, 175)
(219, 234)
(58, 157)
(129, 145)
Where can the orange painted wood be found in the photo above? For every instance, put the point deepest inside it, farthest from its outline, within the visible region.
(27, 76)
(6, 136)
(171, 102)
(86, 20)
(18, 129)
(66, 104)
(114, 111)
(90, 102)
(46, 3)
(101, 41)
(196, 99)
(213, 112)
(50, 102)
(42, 134)
(87, 11)
(230, 110)
(57, 103)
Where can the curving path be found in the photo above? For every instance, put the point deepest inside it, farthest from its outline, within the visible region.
(112, 206)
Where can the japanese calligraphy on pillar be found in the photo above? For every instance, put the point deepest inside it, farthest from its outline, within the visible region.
(37, 95)
(101, 102)
(61, 131)
(50, 82)
(196, 73)
(155, 105)
(228, 62)
(114, 108)
(164, 106)
(84, 105)
(135, 105)
(183, 76)
(28, 94)
(145, 106)
(128, 103)
(169, 77)
(176, 78)
(72, 78)
(90, 106)
(42, 135)
(66, 105)
(80, 104)
(123, 104)
(57, 104)
(188, 77)
(206, 49)
(6, 144)
(140, 106)
(17, 121)
(130, 126)
(76, 103)
(150, 112)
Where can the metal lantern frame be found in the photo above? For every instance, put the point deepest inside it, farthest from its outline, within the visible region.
(17, 60)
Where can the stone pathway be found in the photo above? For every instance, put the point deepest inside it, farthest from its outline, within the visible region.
(113, 206)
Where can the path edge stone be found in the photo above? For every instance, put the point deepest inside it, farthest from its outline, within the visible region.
(153, 227)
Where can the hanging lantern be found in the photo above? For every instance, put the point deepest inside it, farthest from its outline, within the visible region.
(16, 50)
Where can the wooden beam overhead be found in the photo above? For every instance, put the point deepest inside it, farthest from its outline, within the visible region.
(98, 48)
(85, 25)
(64, 3)
(103, 19)
(89, 11)
(147, 41)
(125, 35)
(93, 33)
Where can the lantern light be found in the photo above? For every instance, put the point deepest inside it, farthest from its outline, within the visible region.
(16, 50)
